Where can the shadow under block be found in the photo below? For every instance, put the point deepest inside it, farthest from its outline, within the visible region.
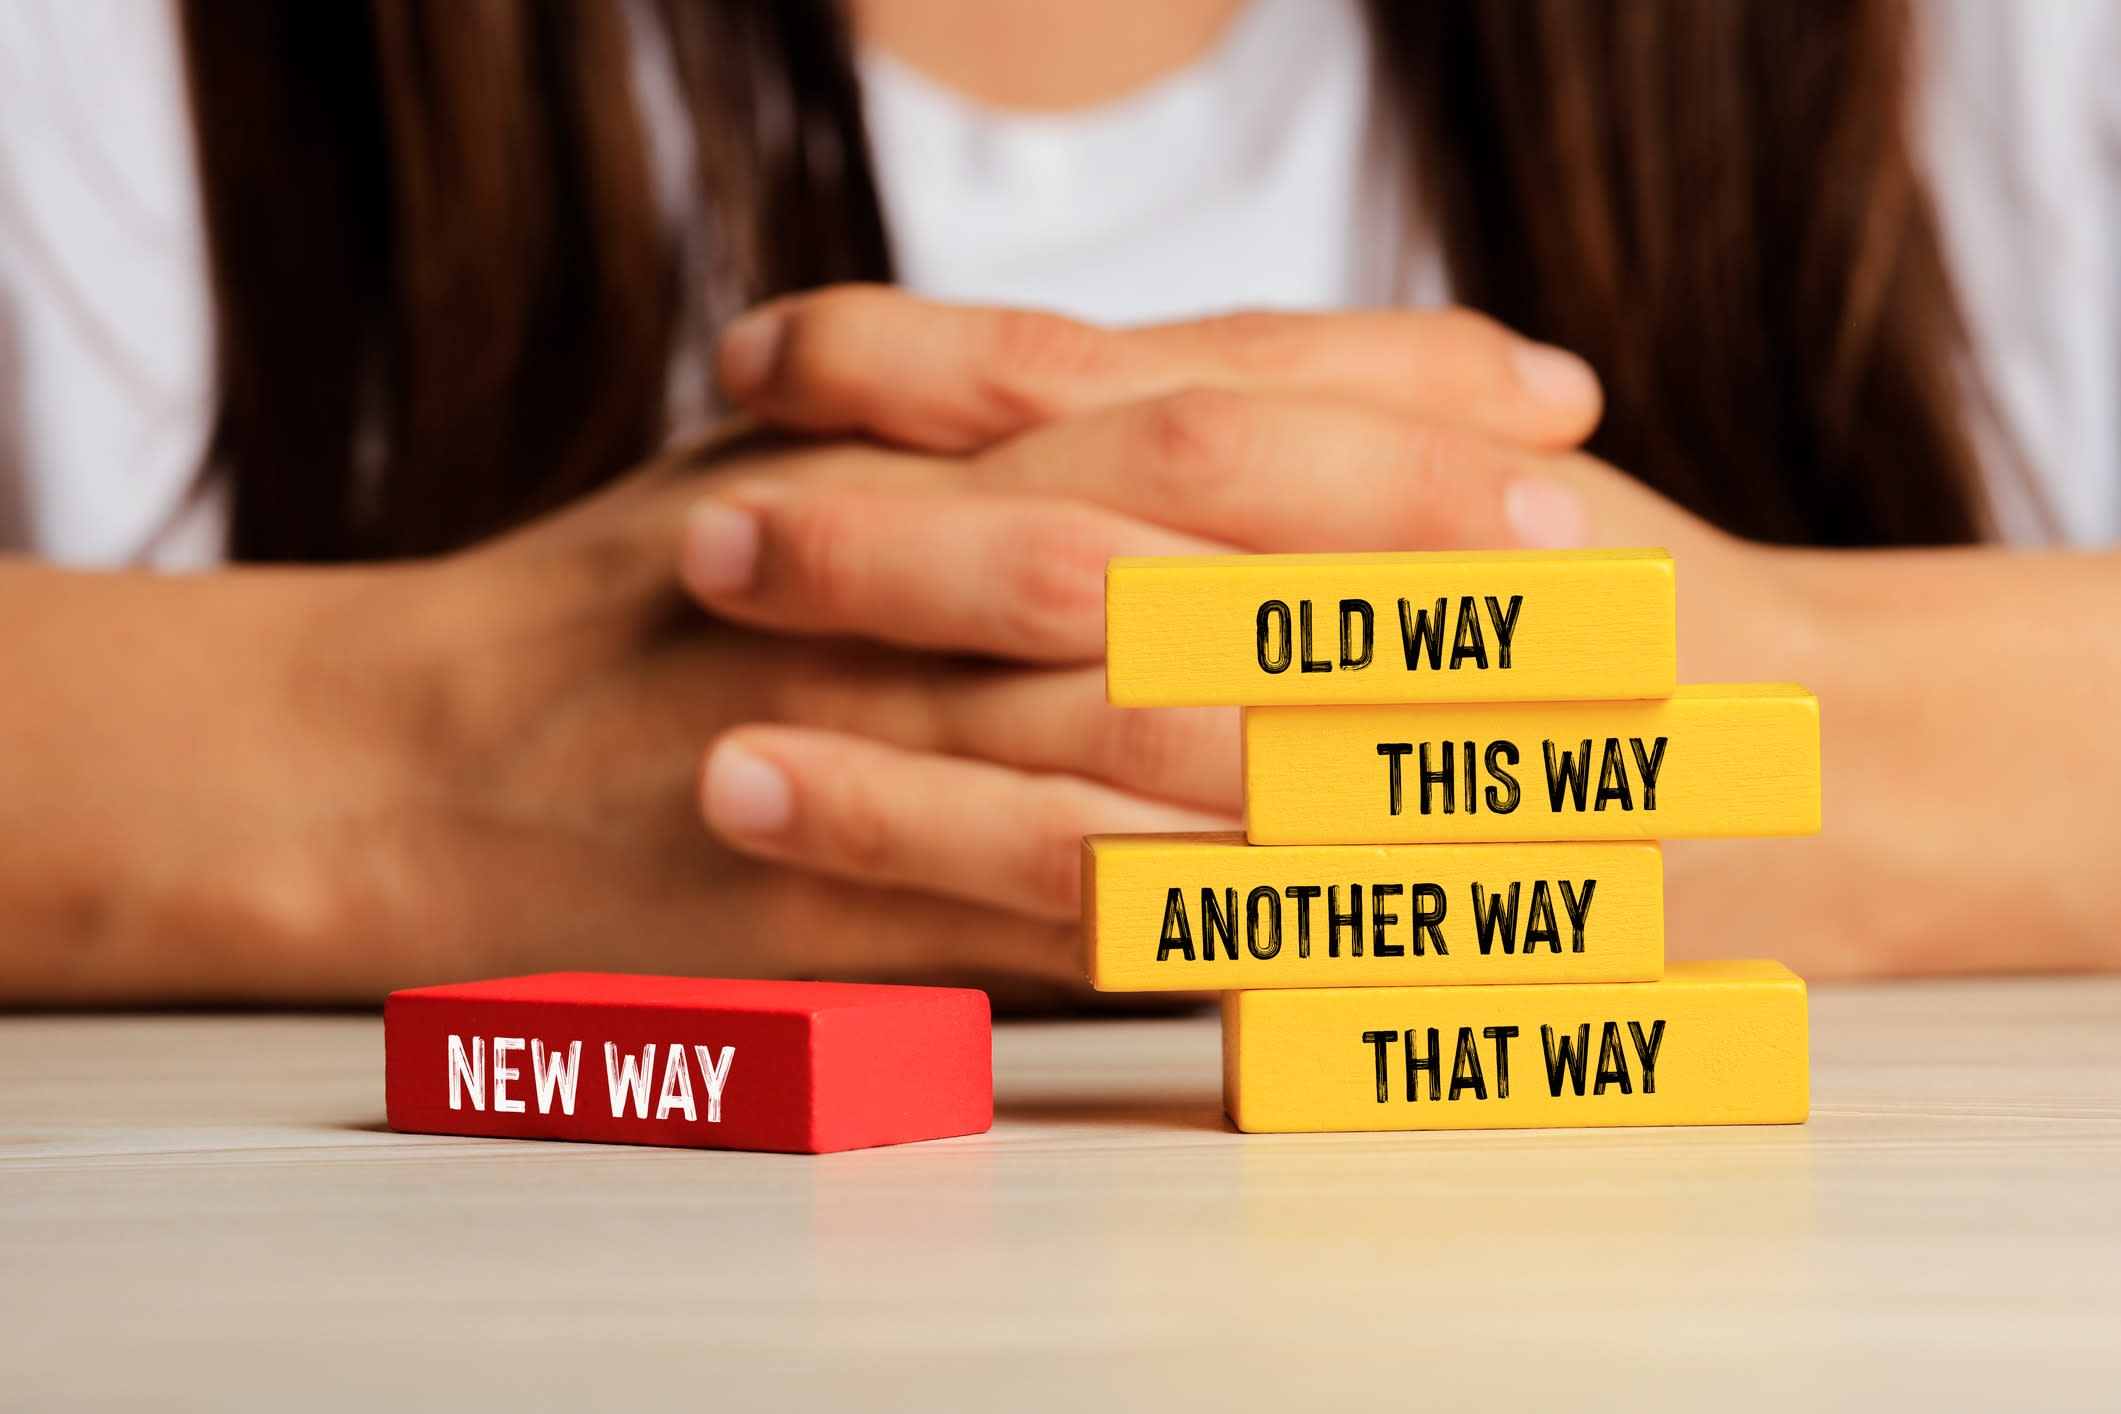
(1421, 626)
(795, 1067)
(1706, 761)
(1209, 912)
(1712, 1043)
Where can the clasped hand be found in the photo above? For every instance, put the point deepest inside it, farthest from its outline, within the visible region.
(1044, 448)
(895, 705)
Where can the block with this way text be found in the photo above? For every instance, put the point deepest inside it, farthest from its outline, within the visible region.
(1719, 760)
(794, 1067)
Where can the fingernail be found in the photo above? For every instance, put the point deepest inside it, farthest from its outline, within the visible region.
(1546, 516)
(719, 555)
(749, 350)
(745, 795)
(1555, 376)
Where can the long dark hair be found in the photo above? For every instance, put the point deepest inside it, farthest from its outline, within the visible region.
(446, 291)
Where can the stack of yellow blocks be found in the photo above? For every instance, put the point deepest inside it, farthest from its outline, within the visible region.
(1447, 908)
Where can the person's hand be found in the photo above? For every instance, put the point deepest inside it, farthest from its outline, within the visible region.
(292, 784)
(872, 360)
(571, 690)
(1475, 406)
(487, 763)
(1082, 450)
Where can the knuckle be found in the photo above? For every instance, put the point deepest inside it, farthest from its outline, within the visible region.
(1053, 866)
(825, 351)
(1034, 342)
(821, 539)
(857, 829)
(1192, 439)
(1423, 453)
(1055, 572)
(1475, 352)
(1448, 476)
(1460, 459)
(1142, 747)
(1257, 343)
(1058, 877)
(815, 363)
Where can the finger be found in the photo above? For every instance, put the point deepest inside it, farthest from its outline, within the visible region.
(1012, 577)
(1452, 366)
(793, 923)
(1057, 720)
(823, 927)
(805, 925)
(1283, 472)
(969, 830)
(1043, 720)
(941, 377)
(955, 378)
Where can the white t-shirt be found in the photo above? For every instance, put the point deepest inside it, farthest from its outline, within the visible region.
(1252, 178)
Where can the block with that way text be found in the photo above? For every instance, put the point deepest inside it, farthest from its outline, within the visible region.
(1209, 912)
(794, 1067)
(1710, 760)
(1416, 626)
(1711, 1043)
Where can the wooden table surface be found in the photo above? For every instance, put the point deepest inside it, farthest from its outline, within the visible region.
(206, 1212)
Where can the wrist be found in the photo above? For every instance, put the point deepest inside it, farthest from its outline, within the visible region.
(1753, 613)
(1798, 636)
(278, 827)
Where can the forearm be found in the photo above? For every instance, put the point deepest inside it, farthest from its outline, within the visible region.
(1972, 771)
(174, 750)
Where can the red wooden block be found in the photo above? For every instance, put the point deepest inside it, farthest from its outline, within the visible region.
(796, 1067)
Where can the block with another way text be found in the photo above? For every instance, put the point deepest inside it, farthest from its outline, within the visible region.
(1210, 912)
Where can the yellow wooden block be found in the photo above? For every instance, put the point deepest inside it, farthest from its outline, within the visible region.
(1713, 1043)
(1708, 760)
(1164, 913)
(1486, 626)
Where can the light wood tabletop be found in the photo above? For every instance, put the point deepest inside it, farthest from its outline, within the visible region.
(205, 1211)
